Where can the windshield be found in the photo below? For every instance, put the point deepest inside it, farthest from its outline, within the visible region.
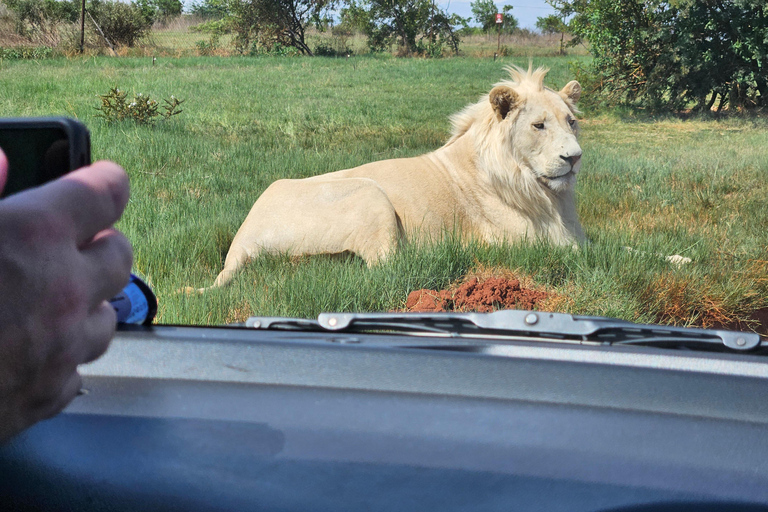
(641, 199)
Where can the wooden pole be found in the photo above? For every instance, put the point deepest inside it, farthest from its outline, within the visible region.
(82, 26)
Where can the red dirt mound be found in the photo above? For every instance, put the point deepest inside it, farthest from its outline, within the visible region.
(486, 296)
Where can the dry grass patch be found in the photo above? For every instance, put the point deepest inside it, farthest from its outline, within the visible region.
(677, 299)
(238, 313)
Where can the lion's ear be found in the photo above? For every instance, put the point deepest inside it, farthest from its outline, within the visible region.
(571, 92)
(503, 99)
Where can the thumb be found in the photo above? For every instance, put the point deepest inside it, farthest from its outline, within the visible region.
(3, 170)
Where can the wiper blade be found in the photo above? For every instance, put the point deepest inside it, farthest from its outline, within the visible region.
(520, 324)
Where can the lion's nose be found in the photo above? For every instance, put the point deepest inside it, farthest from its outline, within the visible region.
(571, 159)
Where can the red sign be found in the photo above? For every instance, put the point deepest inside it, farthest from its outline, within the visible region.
(499, 17)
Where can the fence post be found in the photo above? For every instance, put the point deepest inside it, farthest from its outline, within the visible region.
(82, 26)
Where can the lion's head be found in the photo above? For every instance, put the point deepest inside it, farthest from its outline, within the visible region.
(525, 137)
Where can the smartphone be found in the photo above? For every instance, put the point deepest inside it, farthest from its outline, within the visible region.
(42, 149)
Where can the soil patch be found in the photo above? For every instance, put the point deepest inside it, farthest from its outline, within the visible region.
(474, 295)
(757, 322)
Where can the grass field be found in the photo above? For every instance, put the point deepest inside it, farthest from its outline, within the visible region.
(693, 187)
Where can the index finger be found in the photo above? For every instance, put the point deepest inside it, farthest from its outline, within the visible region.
(93, 198)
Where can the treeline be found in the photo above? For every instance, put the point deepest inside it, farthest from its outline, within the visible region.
(53, 22)
(265, 26)
(413, 27)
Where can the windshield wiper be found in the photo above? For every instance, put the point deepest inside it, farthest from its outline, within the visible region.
(528, 325)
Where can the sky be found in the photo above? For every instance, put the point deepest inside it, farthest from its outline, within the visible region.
(526, 11)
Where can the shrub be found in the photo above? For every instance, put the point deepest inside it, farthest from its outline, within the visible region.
(39, 20)
(207, 48)
(678, 54)
(326, 50)
(26, 52)
(272, 48)
(122, 24)
(142, 110)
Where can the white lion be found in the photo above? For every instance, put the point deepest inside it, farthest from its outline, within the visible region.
(507, 173)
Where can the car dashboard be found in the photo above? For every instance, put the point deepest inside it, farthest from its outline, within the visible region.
(209, 419)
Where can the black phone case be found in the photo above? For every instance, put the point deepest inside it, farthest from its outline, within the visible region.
(78, 139)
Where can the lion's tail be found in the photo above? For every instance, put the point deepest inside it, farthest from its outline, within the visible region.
(236, 258)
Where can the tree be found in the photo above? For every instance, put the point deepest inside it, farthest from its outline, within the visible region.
(356, 17)
(723, 47)
(289, 19)
(210, 9)
(484, 12)
(267, 23)
(675, 54)
(553, 24)
(167, 9)
(417, 26)
(243, 20)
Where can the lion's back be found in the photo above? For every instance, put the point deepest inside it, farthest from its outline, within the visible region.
(420, 188)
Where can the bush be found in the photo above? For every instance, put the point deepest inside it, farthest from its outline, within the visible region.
(325, 50)
(123, 24)
(674, 55)
(207, 48)
(39, 20)
(26, 52)
(272, 48)
(430, 49)
(142, 110)
(40, 11)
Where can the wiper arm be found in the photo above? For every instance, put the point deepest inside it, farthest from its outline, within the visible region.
(526, 324)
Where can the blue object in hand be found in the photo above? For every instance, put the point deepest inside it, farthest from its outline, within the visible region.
(135, 304)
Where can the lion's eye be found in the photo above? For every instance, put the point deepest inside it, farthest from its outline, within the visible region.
(538, 126)
(572, 122)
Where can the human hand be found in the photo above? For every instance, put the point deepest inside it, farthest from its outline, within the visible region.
(60, 260)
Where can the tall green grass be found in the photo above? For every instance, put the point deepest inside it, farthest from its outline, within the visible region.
(662, 186)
